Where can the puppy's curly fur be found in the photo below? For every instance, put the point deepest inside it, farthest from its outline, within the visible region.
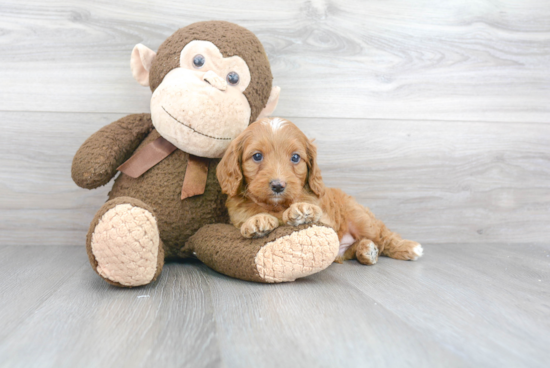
(271, 176)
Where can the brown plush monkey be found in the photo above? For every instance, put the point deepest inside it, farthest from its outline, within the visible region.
(209, 81)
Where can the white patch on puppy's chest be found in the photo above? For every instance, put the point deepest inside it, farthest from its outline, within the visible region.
(346, 242)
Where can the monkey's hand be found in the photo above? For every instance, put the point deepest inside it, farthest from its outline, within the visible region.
(96, 161)
(259, 225)
(302, 213)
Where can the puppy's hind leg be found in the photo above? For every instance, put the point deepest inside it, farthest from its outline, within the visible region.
(364, 250)
(394, 246)
(363, 224)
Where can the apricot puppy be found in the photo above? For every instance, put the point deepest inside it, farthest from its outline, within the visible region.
(271, 176)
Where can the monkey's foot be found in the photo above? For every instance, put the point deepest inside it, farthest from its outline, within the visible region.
(299, 254)
(285, 254)
(124, 244)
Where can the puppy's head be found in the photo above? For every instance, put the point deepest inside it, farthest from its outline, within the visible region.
(270, 162)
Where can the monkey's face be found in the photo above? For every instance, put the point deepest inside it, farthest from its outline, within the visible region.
(200, 106)
(209, 81)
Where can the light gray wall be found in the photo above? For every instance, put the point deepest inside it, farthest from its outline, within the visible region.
(435, 114)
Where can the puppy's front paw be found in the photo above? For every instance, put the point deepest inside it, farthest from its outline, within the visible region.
(302, 213)
(259, 225)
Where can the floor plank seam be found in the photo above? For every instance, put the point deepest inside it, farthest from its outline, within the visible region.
(466, 121)
(59, 284)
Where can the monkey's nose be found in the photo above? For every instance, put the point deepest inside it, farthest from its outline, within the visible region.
(215, 80)
(277, 186)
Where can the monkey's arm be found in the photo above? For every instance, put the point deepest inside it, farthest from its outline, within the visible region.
(96, 161)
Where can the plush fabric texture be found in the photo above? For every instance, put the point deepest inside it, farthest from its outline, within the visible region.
(96, 161)
(197, 117)
(180, 224)
(232, 40)
(215, 61)
(216, 81)
(160, 187)
(145, 216)
(125, 244)
(140, 63)
(298, 254)
(127, 264)
(285, 254)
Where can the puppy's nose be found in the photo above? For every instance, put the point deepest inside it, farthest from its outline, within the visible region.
(277, 186)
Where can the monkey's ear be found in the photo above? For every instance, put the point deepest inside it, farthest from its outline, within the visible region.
(271, 103)
(140, 62)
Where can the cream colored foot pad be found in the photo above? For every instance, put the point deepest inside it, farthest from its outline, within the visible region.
(125, 244)
(299, 254)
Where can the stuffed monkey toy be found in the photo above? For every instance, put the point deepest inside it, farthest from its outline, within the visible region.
(209, 80)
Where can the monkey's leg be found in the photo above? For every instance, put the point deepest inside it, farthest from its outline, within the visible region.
(286, 254)
(123, 243)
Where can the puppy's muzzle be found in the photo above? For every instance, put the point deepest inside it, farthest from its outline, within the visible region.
(277, 186)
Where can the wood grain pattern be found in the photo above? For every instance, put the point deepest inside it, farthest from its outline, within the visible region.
(459, 306)
(441, 183)
(22, 291)
(433, 114)
(314, 327)
(511, 279)
(432, 182)
(87, 320)
(432, 91)
(474, 60)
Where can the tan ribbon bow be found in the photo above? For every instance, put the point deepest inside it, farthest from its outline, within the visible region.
(196, 173)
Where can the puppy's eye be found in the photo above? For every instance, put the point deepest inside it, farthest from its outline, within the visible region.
(295, 158)
(257, 157)
(233, 78)
(198, 61)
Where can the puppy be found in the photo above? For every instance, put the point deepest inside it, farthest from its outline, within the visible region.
(271, 176)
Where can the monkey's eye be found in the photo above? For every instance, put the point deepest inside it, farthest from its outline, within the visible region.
(257, 157)
(198, 61)
(232, 78)
(295, 158)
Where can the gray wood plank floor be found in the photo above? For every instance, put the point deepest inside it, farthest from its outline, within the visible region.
(453, 60)
(434, 114)
(433, 181)
(461, 305)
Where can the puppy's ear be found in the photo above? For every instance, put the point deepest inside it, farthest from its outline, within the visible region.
(229, 171)
(314, 179)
